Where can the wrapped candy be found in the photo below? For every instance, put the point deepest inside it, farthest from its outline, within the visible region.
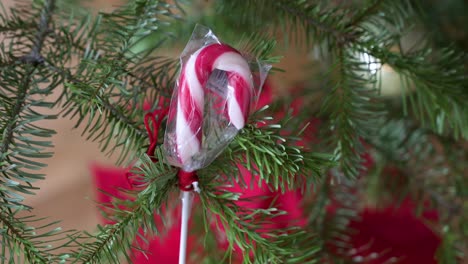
(211, 102)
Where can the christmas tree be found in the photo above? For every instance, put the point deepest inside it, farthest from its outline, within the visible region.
(362, 161)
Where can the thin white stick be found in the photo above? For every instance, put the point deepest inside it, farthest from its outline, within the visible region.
(186, 207)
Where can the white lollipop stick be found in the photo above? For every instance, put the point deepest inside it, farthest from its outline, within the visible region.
(187, 200)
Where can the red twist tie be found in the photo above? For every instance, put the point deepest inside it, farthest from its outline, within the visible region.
(152, 125)
(154, 130)
(186, 180)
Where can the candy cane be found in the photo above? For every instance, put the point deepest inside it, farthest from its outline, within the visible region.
(191, 93)
(188, 114)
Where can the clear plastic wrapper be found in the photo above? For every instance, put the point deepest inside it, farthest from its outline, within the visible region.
(215, 90)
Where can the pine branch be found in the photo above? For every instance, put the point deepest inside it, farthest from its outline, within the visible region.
(16, 238)
(114, 85)
(445, 112)
(28, 243)
(114, 241)
(354, 110)
(276, 158)
(333, 227)
(124, 129)
(313, 21)
(247, 228)
(13, 22)
(370, 10)
(440, 86)
(429, 102)
(20, 144)
(12, 121)
(150, 73)
(43, 31)
(7, 139)
(8, 64)
(12, 26)
(322, 23)
(284, 167)
(33, 58)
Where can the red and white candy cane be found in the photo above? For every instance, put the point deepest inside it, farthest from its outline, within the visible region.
(191, 95)
(190, 109)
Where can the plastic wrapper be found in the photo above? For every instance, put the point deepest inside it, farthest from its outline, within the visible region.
(215, 90)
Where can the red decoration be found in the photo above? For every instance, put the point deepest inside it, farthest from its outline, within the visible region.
(394, 234)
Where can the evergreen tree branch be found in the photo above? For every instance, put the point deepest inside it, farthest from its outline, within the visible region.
(43, 31)
(323, 24)
(276, 158)
(8, 64)
(314, 22)
(354, 110)
(11, 26)
(122, 127)
(31, 244)
(444, 114)
(13, 120)
(20, 144)
(114, 112)
(148, 73)
(332, 228)
(13, 22)
(8, 131)
(372, 9)
(130, 217)
(114, 85)
(248, 228)
(34, 58)
(13, 237)
(440, 97)
(133, 127)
